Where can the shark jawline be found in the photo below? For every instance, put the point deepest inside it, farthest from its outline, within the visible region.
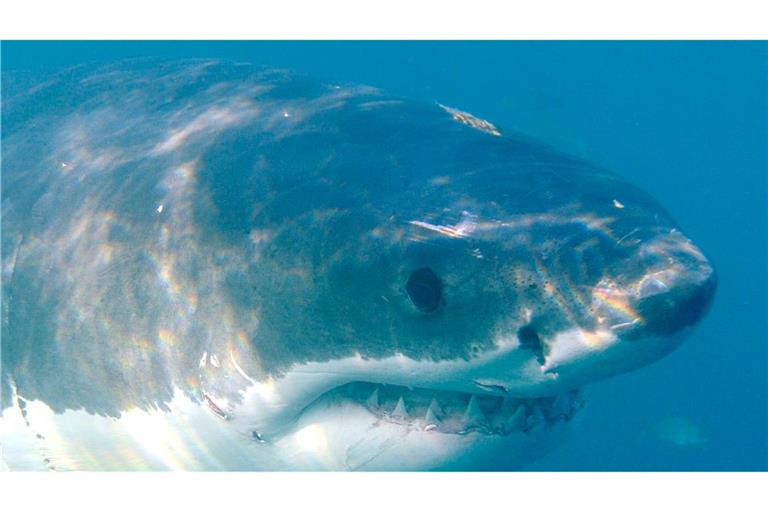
(453, 412)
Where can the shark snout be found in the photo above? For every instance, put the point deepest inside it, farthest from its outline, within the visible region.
(668, 302)
(639, 320)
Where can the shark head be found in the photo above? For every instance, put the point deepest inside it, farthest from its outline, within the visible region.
(460, 304)
(337, 278)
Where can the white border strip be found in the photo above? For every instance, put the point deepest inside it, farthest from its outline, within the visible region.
(390, 19)
(385, 491)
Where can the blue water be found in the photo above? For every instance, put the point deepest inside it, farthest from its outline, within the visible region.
(687, 121)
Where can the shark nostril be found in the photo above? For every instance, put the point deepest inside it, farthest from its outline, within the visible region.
(651, 285)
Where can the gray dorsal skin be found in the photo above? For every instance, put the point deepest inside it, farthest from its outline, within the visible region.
(201, 226)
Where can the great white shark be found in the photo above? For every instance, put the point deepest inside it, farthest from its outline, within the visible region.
(211, 265)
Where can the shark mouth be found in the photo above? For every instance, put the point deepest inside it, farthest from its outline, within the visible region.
(452, 412)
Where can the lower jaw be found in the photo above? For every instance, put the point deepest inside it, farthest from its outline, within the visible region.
(363, 426)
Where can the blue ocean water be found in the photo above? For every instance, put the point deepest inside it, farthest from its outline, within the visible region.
(686, 121)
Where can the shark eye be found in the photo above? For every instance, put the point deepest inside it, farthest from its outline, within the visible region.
(425, 290)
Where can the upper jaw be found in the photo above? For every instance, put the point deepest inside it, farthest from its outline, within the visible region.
(450, 412)
(271, 406)
(624, 338)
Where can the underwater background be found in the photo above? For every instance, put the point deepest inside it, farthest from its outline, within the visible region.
(686, 121)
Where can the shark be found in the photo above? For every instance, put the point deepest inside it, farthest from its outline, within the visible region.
(211, 265)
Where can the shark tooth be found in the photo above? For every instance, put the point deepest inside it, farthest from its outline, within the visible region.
(535, 418)
(436, 409)
(431, 418)
(473, 416)
(400, 411)
(373, 400)
(560, 407)
(516, 419)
